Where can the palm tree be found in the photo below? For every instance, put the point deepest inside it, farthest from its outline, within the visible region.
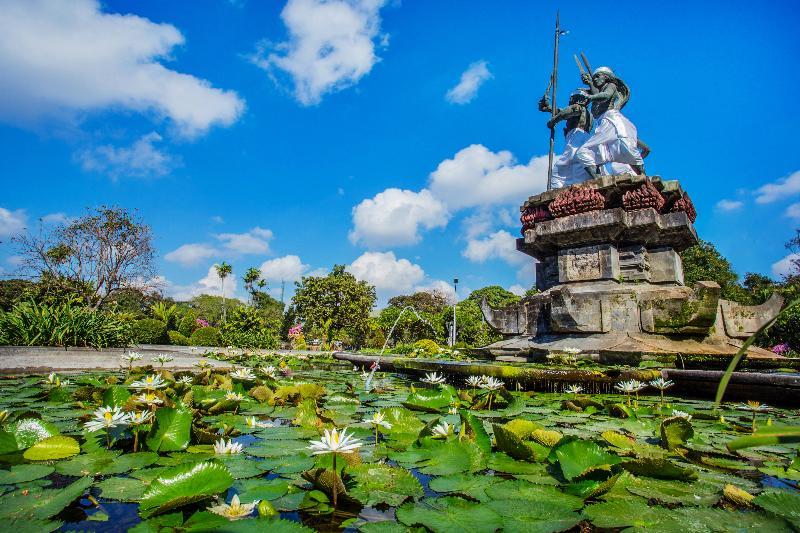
(223, 271)
(250, 277)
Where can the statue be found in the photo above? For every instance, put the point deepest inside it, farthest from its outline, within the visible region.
(567, 170)
(614, 139)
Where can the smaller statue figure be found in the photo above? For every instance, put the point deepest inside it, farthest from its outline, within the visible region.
(567, 170)
(614, 139)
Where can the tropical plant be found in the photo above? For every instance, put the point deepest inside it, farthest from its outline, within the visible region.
(207, 336)
(149, 331)
(223, 271)
(168, 314)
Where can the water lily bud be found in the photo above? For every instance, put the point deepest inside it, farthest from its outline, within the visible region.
(769, 421)
(267, 510)
(722, 419)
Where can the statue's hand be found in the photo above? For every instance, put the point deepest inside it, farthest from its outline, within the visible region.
(544, 104)
(551, 123)
(585, 78)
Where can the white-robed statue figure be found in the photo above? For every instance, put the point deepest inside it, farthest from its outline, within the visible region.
(614, 142)
(567, 170)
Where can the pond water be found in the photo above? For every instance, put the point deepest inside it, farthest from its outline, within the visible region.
(449, 456)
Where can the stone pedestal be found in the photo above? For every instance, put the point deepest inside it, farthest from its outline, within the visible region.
(615, 273)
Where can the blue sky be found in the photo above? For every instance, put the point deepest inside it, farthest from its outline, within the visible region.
(398, 138)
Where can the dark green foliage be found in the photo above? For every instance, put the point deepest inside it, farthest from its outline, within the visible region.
(703, 262)
(177, 338)
(247, 327)
(431, 303)
(150, 331)
(188, 323)
(208, 336)
(495, 295)
(130, 300)
(334, 304)
(12, 291)
(209, 307)
(66, 324)
(410, 328)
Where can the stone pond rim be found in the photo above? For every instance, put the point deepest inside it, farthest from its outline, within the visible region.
(611, 280)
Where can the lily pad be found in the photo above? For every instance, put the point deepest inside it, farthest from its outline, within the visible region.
(780, 503)
(526, 516)
(250, 490)
(23, 473)
(29, 431)
(56, 447)
(171, 429)
(517, 489)
(380, 483)
(449, 515)
(121, 488)
(183, 485)
(472, 486)
(576, 456)
(675, 431)
(44, 504)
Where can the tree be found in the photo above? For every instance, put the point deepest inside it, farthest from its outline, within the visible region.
(431, 302)
(252, 279)
(11, 291)
(223, 271)
(104, 251)
(335, 305)
(702, 262)
(495, 295)
(209, 307)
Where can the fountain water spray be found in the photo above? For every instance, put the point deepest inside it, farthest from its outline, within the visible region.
(375, 365)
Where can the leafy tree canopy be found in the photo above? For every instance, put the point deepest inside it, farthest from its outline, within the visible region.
(495, 295)
(422, 301)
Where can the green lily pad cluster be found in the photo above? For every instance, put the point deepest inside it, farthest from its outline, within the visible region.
(230, 450)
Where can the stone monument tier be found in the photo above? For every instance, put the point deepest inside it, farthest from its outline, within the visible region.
(611, 279)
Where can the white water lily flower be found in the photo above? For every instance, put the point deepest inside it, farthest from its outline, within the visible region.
(269, 371)
(433, 378)
(149, 382)
(474, 381)
(202, 364)
(244, 374)
(223, 447)
(136, 418)
(661, 384)
(234, 396)
(441, 430)
(571, 350)
(630, 386)
(149, 398)
(52, 379)
(162, 359)
(756, 407)
(106, 418)
(378, 419)
(131, 357)
(681, 414)
(491, 384)
(334, 442)
(453, 410)
(186, 380)
(574, 389)
(234, 511)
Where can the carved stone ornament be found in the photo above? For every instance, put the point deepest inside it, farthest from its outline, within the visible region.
(576, 200)
(644, 196)
(685, 204)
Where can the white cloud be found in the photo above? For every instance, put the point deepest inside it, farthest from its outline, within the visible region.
(395, 216)
(793, 211)
(210, 284)
(191, 254)
(499, 245)
(471, 80)
(519, 290)
(476, 176)
(142, 159)
(287, 268)
(255, 241)
(729, 205)
(779, 190)
(15, 260)
(786, 266)
(64, 59)
(12, 222)
(216, 219)
(56, 218)
(387, 273)
(331, 45)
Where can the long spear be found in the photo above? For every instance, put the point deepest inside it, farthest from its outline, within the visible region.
(554, 80)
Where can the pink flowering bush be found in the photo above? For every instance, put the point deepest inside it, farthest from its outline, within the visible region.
(201, 323)
(781, 349)
(296, 331)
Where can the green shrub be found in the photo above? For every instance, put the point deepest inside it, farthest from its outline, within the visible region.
(246, 327)
(188, 324)
(402, 349)
(208, 336)
(427, 347)
(177, 338)
(63, 324)
(150, 331)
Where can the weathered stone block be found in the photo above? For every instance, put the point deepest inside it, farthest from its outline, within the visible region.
(681, 310)
(665, 266)
(547, 272)
(576, 313)
(633, 263)
(588, 263)
(742, 321)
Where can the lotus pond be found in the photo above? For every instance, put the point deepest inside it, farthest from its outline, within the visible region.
(144, 449)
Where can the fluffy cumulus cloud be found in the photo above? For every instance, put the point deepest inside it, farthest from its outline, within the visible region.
(253, 242)
(56, 218)
(788, 265)
(287, 268)
(779, 190)
(12, 222)
(64, 59)
(386, 272)
(331, 45)
(142, 159)
(498, 245)
(395, 217)
(210, 284)
(793, 211)
(471, 80)
(191, 254)
(476, 176)
(729, 205)
(517, 289)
